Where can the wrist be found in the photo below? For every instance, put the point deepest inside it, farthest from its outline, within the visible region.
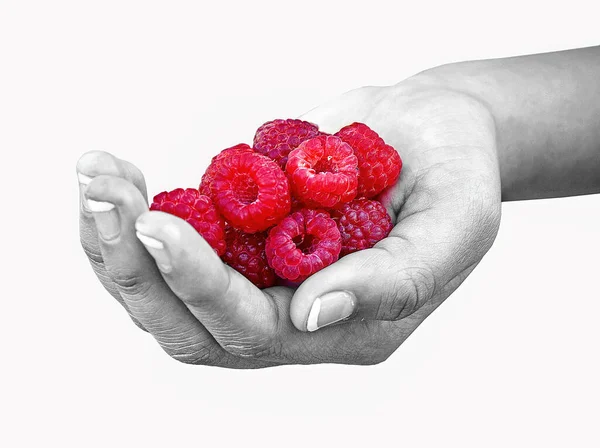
(545, 109)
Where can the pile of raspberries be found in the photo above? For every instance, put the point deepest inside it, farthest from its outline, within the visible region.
(293, 203)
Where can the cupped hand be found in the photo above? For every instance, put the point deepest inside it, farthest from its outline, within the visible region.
(446, 210)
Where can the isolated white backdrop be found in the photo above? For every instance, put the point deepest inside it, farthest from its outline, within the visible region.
(511, 359)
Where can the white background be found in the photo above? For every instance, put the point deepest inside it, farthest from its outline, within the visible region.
(511, 359)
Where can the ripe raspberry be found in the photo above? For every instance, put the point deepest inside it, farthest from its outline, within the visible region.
(323, 172)
(196, 209)
(361, 223)
(250, 191)
(277, 138)
(379, 163)
(303, 243)
(209, 174)
(246, 254)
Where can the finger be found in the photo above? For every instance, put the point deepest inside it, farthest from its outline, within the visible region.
(90, 165)
(427, 255)
(116, 204)
(95, 163)
(246, 321)
(238, 314)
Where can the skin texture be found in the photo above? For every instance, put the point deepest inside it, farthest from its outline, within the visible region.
(445, 209)
(547, 113)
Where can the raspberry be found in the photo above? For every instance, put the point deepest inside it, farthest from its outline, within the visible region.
(361, 223)
(250, 191)
(323, 172)
(208, 176)
(246, 254)
(379, 163)
(277, 138)
(303, 243)
(198, 210)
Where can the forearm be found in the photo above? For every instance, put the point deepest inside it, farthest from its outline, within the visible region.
(547, 113)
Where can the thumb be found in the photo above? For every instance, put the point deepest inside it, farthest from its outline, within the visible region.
(375, 283)
(424, 258)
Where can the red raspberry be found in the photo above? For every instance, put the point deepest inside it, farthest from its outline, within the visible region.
(323, 172)
(303, 243)
(379, 163)
(250, 191)
(277, 138)
(362, 223)
(246, 254)
(198, 210)
(209, 174)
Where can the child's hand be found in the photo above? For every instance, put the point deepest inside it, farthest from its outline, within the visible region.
(446, 209)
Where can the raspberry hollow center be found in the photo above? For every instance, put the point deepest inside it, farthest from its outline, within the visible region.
(326, 165)
(306, 243)
(245, 189)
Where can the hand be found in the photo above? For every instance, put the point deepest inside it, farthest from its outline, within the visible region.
(446, 210)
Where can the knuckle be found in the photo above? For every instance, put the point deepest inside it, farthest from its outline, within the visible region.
(130, 283)
(92, 251)
(191, 350)
(411, 288)
(265, 350)
(192, 357)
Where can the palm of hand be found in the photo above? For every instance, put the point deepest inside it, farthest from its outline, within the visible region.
(446, 210)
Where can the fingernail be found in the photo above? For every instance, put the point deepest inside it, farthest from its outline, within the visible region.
(157, 250)
(106, 217)
(83, 183)
(330, 308)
